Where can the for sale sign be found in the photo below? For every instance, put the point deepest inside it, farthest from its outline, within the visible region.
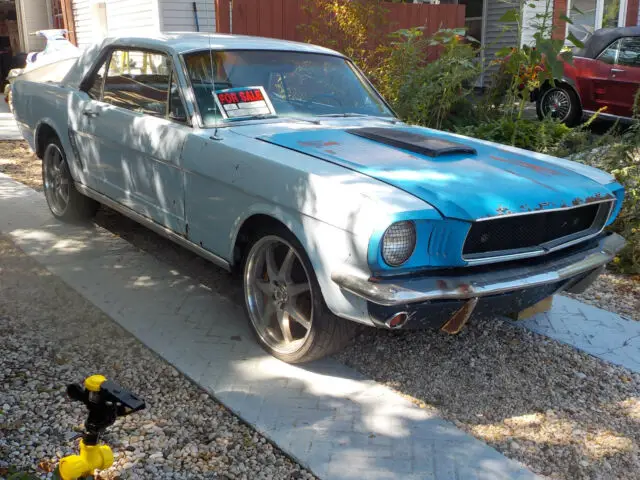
(244, 102)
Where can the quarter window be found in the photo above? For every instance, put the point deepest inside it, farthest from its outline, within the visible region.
(177, 111)
(138, 81)
(610, 54)
(95, 90)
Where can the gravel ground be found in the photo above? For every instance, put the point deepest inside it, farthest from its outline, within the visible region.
(563, 413)
(52, 336)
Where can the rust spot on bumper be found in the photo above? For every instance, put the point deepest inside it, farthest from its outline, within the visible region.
(460, 318)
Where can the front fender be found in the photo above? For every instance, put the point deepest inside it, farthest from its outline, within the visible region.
(327, 247)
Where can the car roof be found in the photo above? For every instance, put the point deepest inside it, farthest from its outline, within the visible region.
(183, 42)
(602, 38)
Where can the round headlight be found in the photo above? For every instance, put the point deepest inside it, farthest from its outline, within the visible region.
(398, 243)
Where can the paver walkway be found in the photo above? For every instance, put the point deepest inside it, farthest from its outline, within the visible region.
(331, 419)
(601, 333)
(8, 127)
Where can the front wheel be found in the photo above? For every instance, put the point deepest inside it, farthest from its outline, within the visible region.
(560, 103)
(284, 303)
(64, 201)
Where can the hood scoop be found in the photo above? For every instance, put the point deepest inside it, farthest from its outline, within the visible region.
(413, 142)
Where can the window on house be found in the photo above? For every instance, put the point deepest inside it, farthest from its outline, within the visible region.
(590, 15)
(138, 81)
(473, 18)
(56, 13)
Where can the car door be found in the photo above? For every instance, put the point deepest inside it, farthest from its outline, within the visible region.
(594, 79)
(616, 77)
(624, 77)
(132, 130)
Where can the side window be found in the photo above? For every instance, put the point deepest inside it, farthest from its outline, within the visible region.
(177, 112)
(629, 54)
(610, 53)
(95, 90)
(138, 81)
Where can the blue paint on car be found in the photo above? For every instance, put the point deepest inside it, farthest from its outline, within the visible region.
(493, 182)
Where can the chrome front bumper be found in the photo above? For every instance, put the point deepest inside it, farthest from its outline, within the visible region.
(402, 291)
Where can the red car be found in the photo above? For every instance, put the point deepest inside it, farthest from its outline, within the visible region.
(605, 73)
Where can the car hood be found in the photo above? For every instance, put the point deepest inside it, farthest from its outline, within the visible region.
(495, 180)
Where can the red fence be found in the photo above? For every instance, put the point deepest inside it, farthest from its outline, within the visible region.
(281, 18)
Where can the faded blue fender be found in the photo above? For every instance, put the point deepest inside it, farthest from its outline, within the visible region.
(495, 181)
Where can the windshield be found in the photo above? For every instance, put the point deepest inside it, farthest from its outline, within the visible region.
(296, 84)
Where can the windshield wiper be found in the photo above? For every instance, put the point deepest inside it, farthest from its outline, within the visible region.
(343, 115)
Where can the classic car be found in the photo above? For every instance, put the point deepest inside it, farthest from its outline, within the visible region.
(604, 76)
(280, 161)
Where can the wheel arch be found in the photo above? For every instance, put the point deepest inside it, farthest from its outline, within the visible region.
(261, 218)
(324, 245)
(44, 129)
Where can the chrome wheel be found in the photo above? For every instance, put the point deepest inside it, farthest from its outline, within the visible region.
(278, 294)
(556, 103)
(56, 180)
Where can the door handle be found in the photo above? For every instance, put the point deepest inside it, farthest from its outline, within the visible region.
(616, 70)
(90, 113)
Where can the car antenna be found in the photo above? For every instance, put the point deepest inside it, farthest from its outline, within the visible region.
(213, 87)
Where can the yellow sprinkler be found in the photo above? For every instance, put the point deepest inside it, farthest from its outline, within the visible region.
(106, 401)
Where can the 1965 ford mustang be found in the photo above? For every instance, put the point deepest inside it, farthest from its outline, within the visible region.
(281, 160)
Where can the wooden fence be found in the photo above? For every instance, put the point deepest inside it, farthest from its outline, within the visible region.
(281, 18)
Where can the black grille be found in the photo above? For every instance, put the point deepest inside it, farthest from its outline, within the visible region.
(528, 231)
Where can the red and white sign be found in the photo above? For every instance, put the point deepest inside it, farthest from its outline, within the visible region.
(236, 103)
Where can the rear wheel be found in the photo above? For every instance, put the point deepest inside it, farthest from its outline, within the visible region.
(64, 201)
(284, 303)
(560, 103)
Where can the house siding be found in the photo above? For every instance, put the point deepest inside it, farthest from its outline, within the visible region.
(495, 35)
(83, 22)
(127, 17)
(177, 15)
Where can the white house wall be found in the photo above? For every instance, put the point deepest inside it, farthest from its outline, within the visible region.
(177, 15)
(140, 17)
(531, 24)
(84, 23)
(132, 17)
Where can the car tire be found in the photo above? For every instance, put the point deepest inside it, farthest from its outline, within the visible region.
(272, 292)
(561, 103)
(64, 201)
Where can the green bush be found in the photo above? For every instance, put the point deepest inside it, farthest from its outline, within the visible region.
(541, 136)
(431, 93)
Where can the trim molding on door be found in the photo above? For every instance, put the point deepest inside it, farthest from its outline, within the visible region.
(151, 225)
